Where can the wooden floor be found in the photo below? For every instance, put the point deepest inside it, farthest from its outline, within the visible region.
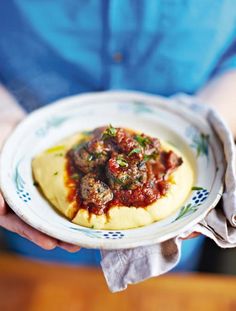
(33, 286)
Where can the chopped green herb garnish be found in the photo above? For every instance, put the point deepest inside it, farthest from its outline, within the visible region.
(109, 132)
(148, 157)
(56, 173)
(121, 180)
(58, 154)
(197, 188)
(135, 150)
(127, 186)
(75, 176)
(139, 179)
(97, 154)
(118, 181)
(90, 157)
(121, 161)
(143, 141)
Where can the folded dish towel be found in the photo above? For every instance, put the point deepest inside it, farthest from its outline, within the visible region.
(123, 267)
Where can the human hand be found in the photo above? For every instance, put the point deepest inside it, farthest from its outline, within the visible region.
(10, 221)
(220, 93)
(192, 235)
(10, 115)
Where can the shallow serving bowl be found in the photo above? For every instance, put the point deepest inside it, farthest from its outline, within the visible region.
(154, 115)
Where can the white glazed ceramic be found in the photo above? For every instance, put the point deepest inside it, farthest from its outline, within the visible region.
(153, 115)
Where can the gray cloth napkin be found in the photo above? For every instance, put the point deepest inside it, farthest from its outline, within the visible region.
(129, 266)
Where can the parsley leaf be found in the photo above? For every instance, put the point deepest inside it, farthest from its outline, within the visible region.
(148, 157)
(135, 150)
(121, 161)
(143, 141)
(109, 132)
(75, 176)
(90, 157)
(197, 188)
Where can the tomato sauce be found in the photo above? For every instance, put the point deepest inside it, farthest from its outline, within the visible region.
(129, 170)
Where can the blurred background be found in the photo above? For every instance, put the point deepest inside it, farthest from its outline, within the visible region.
(31, 284)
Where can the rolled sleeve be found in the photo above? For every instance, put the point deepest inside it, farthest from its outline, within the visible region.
(228, 59)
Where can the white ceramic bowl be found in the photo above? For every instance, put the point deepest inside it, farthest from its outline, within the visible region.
(153, 115)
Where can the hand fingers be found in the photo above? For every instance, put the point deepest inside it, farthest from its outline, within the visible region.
(3, 206)
(13, 223)
(68, 247)
(192, 235)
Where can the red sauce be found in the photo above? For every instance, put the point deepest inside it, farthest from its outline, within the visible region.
(132, 178)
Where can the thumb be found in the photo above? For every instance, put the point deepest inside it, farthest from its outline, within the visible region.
(3, 206)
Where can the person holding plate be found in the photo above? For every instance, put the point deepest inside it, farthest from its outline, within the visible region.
(49, 50)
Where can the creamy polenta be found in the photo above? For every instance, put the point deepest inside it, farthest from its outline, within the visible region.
(49, 171)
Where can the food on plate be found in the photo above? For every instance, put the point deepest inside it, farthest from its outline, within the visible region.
(113, 178)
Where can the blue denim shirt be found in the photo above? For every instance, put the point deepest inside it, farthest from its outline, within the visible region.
(50, 49)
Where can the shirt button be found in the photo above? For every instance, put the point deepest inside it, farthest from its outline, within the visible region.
(117, 57)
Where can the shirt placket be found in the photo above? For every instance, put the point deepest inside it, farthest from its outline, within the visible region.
(120, 22)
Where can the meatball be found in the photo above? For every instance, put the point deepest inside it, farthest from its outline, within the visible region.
(172, 160)
(168, 162)
(82, 158)
(94, 191)
(98, 132)
(151, 150)
(98, 150)
(139, 146)
(123, 173)
(125, 141)
(119, 139)
(141, 196)
(87, 157)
